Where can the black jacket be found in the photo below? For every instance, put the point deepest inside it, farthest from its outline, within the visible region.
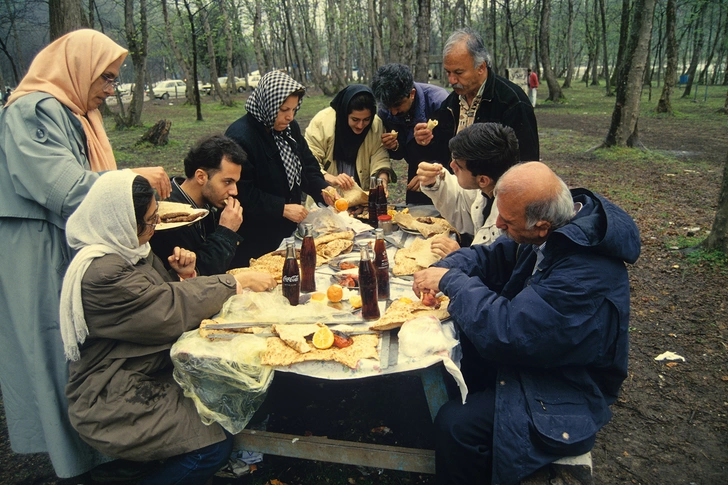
(214, 245)
(263, 187)
(503, 102)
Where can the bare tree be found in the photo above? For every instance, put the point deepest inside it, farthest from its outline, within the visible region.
(570, 47)
(623, 129)
(423, 41)
(137, 39)
(697, 46)
(214, 73)
(555, 93)
(717, 240)
(65, 16)
(177, 51)
(664, 105)
(261, 57)
(603, 16)
(376, 35)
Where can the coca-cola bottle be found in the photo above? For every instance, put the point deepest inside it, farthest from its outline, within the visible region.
(291, 276)
(381, 199)
(367, 285)
(373, 197)
(381, 265)
(308, 261)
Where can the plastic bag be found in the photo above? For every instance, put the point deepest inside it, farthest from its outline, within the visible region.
(325, 220)
(225, 379)
(424, 336)
(273, 307)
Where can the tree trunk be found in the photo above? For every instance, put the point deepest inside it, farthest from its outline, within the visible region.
(227, 31)
(176, 51)
(704, 74)
(406, 53)
(195, 86)
(697, 49)
(65, 16)
(623, 38)
(623, 130)
(717, 240)
(374, 24)
(595, 43)
(603, 15)
(395, 42)
(260, 55)
(423, 41)
(555, 93)
(138, 42)
(158, 134)
(665, 105)
(214, 73)
(570, 47)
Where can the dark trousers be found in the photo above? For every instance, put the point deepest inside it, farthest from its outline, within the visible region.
(193, 468)
(464, 446)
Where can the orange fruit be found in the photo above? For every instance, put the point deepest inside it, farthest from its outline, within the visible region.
(341, 205)
(323, 338)
(318, 296)
(355, 301)
(335, 293)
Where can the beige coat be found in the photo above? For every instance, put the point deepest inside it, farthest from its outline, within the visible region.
(122, 398)
(372, 158)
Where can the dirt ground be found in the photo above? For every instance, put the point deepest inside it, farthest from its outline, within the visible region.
(670, 425)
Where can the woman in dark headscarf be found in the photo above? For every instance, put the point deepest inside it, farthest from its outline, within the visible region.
(346, 138)
(279, 170)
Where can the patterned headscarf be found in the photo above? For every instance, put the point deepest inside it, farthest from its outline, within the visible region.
(104, 223)
(265, 102)
(66, 69)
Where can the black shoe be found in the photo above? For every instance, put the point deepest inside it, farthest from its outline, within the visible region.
(122, 471)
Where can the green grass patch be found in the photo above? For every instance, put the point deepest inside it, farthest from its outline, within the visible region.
(715, 260)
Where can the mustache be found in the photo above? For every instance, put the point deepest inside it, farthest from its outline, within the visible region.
(457, 86)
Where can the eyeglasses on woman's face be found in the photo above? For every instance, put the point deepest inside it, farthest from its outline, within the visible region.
(111, 82)
(152, 221)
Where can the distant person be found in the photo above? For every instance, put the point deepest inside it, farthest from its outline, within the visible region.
(279, 170)
(543, 317)
(346, 140)
(6, 96)
(212, 170)
(532, 87)
(121, 311)
(52, 147)
(404, 103)
(481, 153)
(479, 96)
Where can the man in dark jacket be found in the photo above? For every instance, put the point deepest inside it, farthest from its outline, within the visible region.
(479, 96)
(543, 316)
(212, 168)
(406, 103)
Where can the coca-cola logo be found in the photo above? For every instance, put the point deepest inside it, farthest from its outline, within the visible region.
(384, 264)
(291, 279)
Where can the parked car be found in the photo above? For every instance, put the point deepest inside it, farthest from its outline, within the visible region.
(239, 85)
(165, 89)
(253, 80)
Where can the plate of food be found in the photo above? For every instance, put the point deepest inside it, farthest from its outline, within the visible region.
(345, 261)
(176, 214)
(346, 279)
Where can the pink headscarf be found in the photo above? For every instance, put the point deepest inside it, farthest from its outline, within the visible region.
(66, 69)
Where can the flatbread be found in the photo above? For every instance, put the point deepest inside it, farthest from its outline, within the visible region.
(401, 311)
(427, 226)
(278, 354)
(294, 334)
(271, 263)
(334, 235)
(355, 196)
(414, 258)
(333, 248)
(431, 124)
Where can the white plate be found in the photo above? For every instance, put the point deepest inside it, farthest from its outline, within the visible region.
(167, 207)
(335, 263)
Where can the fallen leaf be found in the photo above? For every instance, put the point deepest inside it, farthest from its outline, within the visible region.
(724, 378)
(672, 335)
(351, 481)
(624, 453)
(671, 364)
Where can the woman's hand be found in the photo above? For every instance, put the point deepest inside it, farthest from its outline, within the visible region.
(295, 212)
(158, 179)
(389, 141)
(183, 262)
(255, 280)
(342, 180)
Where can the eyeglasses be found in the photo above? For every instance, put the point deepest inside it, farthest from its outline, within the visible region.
(110, 82)
(155, 218)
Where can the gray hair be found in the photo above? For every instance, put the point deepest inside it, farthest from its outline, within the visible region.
(558, 210)
(473, 42)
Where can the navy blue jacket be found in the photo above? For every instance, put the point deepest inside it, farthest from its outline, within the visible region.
(558, 338)
(428, 99)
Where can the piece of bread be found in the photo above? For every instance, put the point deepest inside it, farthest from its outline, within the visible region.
(355, 196)
(278, 354)
(403, 310)
(431, 124)
(414, 258)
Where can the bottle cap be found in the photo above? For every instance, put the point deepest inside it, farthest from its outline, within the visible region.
(384, 217)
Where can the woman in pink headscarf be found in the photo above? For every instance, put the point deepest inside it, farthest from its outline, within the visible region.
(52, 148)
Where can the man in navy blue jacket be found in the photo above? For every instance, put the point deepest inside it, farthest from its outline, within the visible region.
(543, 316)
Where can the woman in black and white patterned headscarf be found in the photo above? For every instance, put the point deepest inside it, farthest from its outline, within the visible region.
(280, 168)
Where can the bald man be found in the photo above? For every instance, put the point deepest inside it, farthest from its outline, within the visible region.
(543, 315)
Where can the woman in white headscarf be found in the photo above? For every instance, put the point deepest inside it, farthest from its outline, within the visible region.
(279, 170)
(126, 310)
(52, 146)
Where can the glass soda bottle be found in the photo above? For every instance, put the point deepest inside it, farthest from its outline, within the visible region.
(367, 285)
(308, 261)
(381, 199)
(291, 277)
(373, 197)
(381, 265)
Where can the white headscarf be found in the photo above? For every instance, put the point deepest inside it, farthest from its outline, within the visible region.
(103, 224)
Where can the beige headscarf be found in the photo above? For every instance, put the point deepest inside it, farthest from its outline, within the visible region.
(66, 69)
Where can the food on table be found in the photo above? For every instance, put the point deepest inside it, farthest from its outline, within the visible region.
(271, 263)
(404, 309)
(431, 124)
(323, 338)
(335, 293)
(341, 340)
(341, 205)
(427, 226)
(206, 332)
(355, 196)
(180, 217)
(347, 265)
(347, 280)
(278, 353)
(355, 301)
(294, 334)
(331, 245)
(428, 299)
(411, 259)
